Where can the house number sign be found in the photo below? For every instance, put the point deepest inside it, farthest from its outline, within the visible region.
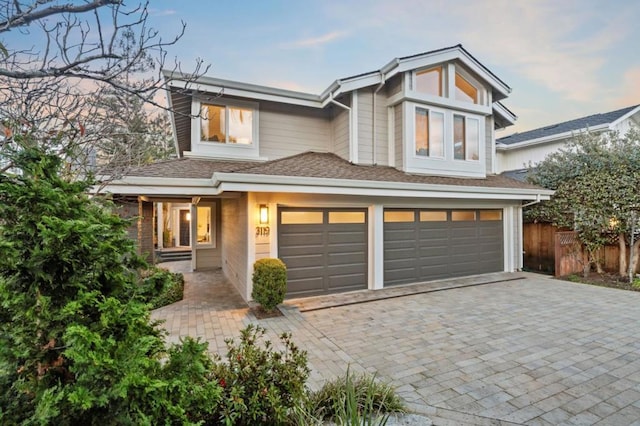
(262, 231)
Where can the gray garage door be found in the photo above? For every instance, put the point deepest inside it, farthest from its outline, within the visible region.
(325, 250)
(423, 245)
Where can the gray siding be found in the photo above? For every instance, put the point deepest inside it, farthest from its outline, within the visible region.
(234, 242)
(382, 130)
(286, 130)
(394, 85)
(398, 136)
(488, 144)
(340, 130)
(365, 126)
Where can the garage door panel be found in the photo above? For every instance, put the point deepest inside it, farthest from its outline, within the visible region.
(302, 260)
(399, 234)
(340, 237)
(347, 248)
(345, 282)
(324, 257)
(440, 249)
(400, 253)
(429, 234)
(301, 239)
(346, 259)
(400, 276)
(303, 287)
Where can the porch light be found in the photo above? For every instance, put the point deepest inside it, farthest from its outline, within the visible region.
(264, 214)
(188, 217)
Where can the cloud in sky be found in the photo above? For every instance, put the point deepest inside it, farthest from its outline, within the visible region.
(161, 12)
(316, 41)
(560, 46)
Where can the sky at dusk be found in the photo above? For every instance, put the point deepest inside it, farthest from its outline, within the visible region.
(562, 59)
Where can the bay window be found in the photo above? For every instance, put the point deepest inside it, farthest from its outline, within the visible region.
(466, 138)
(465, 91)
(430, 81)
(429, 133)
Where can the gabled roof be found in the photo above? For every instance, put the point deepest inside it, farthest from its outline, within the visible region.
(594, 121)
(182, 86)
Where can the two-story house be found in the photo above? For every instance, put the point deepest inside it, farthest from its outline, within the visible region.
(384, 178)
(517, 151)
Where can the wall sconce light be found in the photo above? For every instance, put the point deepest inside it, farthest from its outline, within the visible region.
(188, 217)
(264, 214)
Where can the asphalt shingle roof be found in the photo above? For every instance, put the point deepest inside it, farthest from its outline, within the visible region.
(313, 165)
(567, 126)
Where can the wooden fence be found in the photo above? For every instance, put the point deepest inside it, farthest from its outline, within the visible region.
(550, 250)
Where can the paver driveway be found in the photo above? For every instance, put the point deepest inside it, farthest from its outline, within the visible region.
(530, 351)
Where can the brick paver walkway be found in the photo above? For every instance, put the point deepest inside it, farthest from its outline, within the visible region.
(532, 351)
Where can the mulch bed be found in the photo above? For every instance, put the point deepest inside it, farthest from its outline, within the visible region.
(260, 313)
(604, 280)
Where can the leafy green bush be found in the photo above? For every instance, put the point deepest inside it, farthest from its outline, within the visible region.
(261, 386)
(75, 346)
(160, 287)
(269, 283)
(355, 400)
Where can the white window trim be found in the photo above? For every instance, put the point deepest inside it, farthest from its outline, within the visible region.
(214, 229)
(223, 149)
(467, 117)
(449, 87)
(444, 132)
(482, 91)
(447, 166)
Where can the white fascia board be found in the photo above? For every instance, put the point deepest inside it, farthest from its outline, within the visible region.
(552, 138)
(246, 90)
(140, 185)
(270, 183)
(503, 112)
(339, 87)
(624, 117)
(450, 55)
(152, 190)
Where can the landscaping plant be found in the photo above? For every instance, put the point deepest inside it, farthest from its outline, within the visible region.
(355, 400)
(261, 386)
(269, 283)
(76, 342)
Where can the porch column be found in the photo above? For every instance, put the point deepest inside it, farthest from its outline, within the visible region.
(376, 247)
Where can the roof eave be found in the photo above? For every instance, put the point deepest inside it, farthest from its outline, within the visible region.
(551, 138)
(267, 183)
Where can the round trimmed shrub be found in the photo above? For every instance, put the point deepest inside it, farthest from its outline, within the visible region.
(269, 283)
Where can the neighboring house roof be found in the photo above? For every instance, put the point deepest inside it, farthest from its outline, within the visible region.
(519, 175)
(555, 131)
(325, 166)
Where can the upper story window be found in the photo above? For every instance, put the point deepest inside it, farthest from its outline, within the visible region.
(466, 138)
(465, 91)
(226, 124)
(429, 133)
(430, 81)
(450, 82)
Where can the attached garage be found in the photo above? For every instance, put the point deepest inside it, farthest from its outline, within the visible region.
(423, 245)
(325, 250)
